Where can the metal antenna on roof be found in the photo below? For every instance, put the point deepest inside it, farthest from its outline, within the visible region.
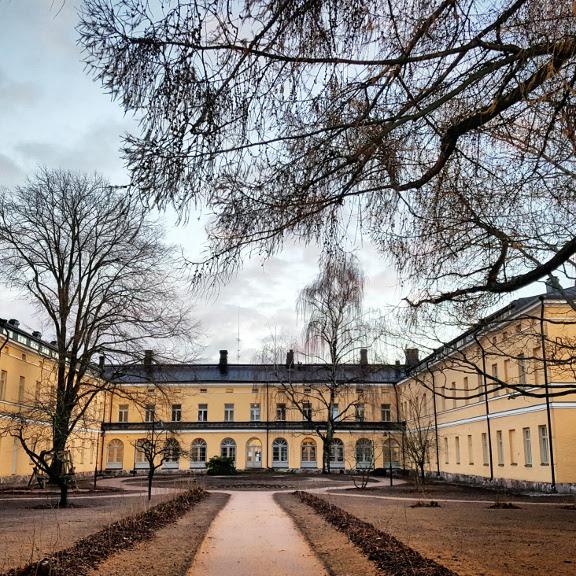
(238, 337)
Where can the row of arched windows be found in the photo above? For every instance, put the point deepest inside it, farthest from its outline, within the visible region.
(171, 450)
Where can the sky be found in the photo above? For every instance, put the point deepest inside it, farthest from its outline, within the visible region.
(52, 114)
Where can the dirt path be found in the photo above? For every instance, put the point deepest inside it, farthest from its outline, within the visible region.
(253, 536)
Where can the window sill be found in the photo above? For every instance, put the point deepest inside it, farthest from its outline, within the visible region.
(527, 465)
(544, 464)
(513, 463)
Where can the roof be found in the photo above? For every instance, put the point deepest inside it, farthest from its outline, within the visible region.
(514, 307)
(251, 373)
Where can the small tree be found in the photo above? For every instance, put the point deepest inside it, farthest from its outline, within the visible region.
(419, 435)
(94, 264)
(159, 446)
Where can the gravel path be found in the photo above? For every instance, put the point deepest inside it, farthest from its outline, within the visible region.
(253, 536)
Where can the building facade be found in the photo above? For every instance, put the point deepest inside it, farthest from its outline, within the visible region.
(262, 416)
(495, 405)
(498, 402)
(27, 389)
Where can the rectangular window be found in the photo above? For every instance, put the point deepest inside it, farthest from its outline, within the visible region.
(457, 449)
(202, 412)
(281, 412)
(495, 384)
(442, 399)
(507, 374)
(453, 394)
(480, 386)
(466, 389)
(446, 451)
(485, 454)
(335, 411)
(228, 412)
(536, 366)
(21, 389)
(3, 378)
(123, 413)
(203, 390)
(254, 412)
(386, 412)
(360, 412)
(544, 445)
(229, 390)
(470, 450)
(176, 412)
(527, 446)
(37, 390)
(500, 447)
(512, 446)
(150, 413)
(521, 369)
(306, 411)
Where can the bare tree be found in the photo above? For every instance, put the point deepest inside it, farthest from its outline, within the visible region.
(420, 433)
(335, 331)
(405, 117)
(95, 267)
(159, 446)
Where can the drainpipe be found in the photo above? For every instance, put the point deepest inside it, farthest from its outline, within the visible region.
(435, 422)
(546, 388)
(267, 425)
(487, 413)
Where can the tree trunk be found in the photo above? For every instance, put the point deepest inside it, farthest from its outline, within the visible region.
(63, 495)
(150, 478)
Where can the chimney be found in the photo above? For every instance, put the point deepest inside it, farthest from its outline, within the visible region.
(223, 363)
(101, 360)
(14, 322)
(290, 359)
(148, 356)
(551, 285)
(363, 356)
(412, 356)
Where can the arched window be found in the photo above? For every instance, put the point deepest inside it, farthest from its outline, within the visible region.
(308, 453)
(228, 448)
(140, 460)
(337, 453)
(198, 452)
(280, 453)
(115, 454)
(172, 453)
(364, 453)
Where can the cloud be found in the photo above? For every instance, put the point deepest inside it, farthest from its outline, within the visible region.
(10, 173)
(94, 150)
(15, 95)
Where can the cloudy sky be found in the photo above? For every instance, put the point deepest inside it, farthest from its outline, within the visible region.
(53, 115)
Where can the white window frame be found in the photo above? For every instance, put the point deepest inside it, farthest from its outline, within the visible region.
(527, 442)
(228, 412)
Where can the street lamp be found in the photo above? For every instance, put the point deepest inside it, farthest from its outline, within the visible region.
(390, 457)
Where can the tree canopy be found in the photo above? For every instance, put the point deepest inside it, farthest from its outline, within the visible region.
(94, 264)
(443, 131)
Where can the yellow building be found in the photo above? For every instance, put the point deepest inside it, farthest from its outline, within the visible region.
(27, 365)
(498, 402)
(248, 412)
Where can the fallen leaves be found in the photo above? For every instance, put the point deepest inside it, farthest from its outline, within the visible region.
(388, 553)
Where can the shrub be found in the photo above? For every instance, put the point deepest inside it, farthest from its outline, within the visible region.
(220, 466)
